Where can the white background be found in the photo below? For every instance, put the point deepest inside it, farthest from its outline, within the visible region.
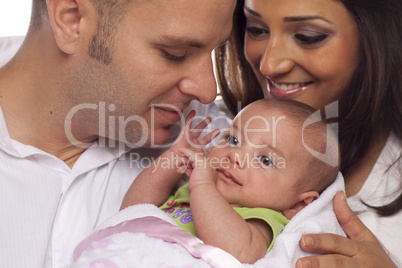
(14, 17)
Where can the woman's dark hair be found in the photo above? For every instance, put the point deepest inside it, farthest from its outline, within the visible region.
(374, 100)
(236, 78)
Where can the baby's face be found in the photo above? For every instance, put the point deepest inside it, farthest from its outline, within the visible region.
(260, 159)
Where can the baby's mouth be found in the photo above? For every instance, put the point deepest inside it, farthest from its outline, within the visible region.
(228, 176)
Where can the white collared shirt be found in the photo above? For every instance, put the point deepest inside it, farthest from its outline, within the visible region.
(382, 187)
(46, 208)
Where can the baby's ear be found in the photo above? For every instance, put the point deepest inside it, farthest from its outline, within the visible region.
(303, 200)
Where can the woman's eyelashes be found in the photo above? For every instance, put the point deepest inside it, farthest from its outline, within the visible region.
(314, 38)
(256, 31)
(310, 39)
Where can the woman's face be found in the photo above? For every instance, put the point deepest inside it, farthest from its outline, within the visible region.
(303, 50)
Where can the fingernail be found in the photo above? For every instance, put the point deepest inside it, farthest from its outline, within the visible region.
(307, 241)
(343, 195)
(303, 264)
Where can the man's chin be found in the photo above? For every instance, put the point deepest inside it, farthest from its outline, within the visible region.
(161, 138)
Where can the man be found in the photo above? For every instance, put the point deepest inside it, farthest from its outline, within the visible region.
(119, 69)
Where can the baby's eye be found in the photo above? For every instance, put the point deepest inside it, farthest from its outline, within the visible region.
(232, 140)
(266, 161)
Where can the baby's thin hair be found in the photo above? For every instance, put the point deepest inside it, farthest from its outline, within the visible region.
(318, 174)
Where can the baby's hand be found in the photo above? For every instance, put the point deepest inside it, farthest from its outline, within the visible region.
(198, 168)
(189, 138)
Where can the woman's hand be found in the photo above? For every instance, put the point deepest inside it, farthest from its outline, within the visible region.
(360, 249)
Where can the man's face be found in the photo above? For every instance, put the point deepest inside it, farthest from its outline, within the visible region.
(160, 62)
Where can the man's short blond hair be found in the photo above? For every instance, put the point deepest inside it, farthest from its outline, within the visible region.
(110, 14)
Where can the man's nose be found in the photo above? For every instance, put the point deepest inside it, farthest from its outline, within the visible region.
(200, 81)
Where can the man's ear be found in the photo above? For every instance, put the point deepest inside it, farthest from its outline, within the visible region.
(68, 19)
(303, 200)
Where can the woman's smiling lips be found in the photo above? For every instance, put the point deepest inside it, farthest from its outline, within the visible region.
(286, 90)
(227, 176)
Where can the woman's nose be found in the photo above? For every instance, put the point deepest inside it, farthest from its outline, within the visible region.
(276, 59)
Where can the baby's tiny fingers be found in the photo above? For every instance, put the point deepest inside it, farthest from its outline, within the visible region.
(198, 129)
(190, 117)
(209, 137)
(181, 169)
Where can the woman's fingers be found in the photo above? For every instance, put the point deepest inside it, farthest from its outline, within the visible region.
(328, 243)
(367, 255)
(351, 224)
(342, 252)
(360, 249)
(327, 261)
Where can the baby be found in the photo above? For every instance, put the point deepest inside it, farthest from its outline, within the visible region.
(243, 191)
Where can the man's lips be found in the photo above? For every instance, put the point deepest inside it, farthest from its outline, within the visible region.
(172, 115)
(227, 176)
(286, 90)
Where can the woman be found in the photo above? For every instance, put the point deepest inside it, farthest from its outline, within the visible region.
(319, 52)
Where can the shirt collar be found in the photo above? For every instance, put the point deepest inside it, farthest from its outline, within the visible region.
(93, 157)
(5, 140)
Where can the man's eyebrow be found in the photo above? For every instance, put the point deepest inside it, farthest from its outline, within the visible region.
(252, 12)
(303, 18)
(181, 41)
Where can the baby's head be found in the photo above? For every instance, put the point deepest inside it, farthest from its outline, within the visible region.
(277, 154)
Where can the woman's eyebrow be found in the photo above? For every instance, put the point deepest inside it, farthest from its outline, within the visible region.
(252, 12)
(290, 19)
(303, 18)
